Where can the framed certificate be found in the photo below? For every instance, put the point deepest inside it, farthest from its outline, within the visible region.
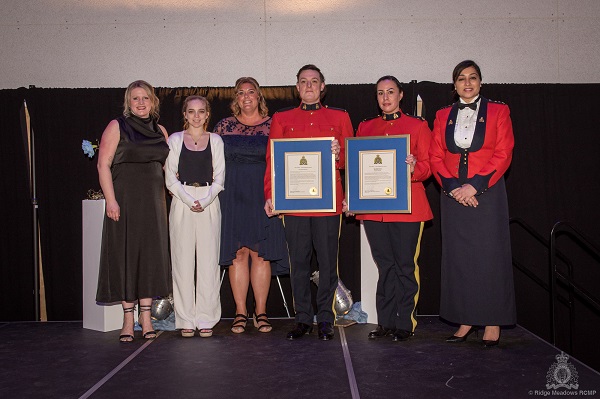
(377, 178)
(303, 175)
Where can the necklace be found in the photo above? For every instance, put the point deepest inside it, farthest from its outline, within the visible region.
(193, 139)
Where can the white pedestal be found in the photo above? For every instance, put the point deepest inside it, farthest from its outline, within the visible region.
(99, 317)
(368, 278)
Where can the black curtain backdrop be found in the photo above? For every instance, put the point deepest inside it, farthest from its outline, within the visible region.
(553, 177)
(16, 233)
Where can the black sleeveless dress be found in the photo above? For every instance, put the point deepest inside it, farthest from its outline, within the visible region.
(134, 260)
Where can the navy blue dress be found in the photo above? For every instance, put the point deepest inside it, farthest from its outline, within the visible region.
(244, 222)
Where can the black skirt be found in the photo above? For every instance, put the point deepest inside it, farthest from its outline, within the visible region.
(477, 285)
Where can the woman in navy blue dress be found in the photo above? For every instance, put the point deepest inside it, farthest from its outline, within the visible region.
(252, 245)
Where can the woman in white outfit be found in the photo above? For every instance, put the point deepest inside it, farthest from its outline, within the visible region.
(195, 174)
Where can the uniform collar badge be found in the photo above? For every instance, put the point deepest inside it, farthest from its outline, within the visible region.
(311, 107)
(391, 117)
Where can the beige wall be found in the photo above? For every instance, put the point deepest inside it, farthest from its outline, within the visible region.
(109, 43)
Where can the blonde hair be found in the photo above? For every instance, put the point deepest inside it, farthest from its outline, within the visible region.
(187, 100)
(149, 90)
(263, 110)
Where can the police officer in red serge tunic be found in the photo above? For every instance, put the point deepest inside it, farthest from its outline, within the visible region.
(470, 151)
(395, 239)
(305, 230)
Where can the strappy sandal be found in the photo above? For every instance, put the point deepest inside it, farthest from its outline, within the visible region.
(205, 332)
(127, 337)
(266, 327)
(148, 334)
(239, 323)
(187, 333)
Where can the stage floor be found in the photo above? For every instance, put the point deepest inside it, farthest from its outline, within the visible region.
(63, 360)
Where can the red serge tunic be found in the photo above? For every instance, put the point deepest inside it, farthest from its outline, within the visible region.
(488, 157)
(300, 123)
(420, 138)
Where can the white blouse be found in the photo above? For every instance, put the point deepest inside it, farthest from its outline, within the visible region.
(464, 129)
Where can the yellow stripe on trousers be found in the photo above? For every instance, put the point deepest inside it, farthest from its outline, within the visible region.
(417, 278)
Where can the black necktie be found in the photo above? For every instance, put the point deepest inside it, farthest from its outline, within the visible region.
(472, 105)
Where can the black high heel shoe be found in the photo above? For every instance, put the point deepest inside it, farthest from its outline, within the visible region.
(488, 343)
(148, 334)
(127, 337)
(456, 339)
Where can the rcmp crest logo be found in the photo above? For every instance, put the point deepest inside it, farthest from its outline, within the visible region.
(562, 374)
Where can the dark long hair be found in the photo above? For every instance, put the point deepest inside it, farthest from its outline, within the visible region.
(464, 65)
(461, 66)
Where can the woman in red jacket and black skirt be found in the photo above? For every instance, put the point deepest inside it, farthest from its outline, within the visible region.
(470, 152)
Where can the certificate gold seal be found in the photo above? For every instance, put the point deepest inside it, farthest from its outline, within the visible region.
(388, 191)
(313, 191)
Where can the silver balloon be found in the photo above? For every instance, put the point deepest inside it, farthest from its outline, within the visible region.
(315, 278)
(162, 308)
(343, 297)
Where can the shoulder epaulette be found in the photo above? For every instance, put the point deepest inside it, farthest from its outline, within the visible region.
(285, 109)
(335, 108)
(373, 117)
(497, 102)
(416, 117)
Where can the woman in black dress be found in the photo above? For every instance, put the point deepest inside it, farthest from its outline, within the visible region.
(134, 261)
(470, 152)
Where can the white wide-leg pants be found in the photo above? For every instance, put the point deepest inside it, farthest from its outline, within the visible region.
(195, 236)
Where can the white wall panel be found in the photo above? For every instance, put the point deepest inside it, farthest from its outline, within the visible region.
(278, 10)
(108, 43)
(516, 51)
(51, 12)
(103, 56)
(578, 55)
(579, 9)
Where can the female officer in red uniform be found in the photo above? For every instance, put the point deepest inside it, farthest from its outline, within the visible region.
(303, 230)
(470, 152)
(395, 239)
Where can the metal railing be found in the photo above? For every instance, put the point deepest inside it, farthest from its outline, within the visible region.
(556, 275)
(545, 243)
(539, 238)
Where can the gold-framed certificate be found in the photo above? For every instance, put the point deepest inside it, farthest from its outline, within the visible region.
(303, 175)
(377, 176)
